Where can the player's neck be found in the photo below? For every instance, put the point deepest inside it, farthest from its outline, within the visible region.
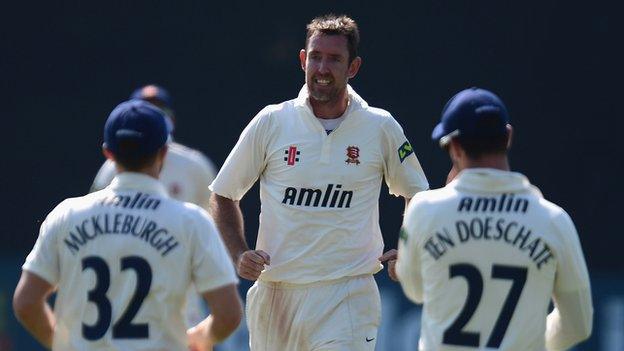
(330, 109)
(151, 170)
(488, 161)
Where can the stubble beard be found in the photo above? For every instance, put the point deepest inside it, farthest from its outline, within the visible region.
(327, 97)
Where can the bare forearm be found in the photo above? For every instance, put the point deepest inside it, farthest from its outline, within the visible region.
(39, 320)
(218, 330)
(208, 333)
(226, 313)
(229, 220)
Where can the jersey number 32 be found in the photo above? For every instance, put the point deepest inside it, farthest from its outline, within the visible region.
(123, 328)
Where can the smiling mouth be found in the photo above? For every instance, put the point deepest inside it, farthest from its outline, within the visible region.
(323, 81)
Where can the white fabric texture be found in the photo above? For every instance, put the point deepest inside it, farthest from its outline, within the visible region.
(320, 193)
(340, 315)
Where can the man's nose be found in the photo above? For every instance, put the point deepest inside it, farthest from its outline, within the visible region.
(323, 66)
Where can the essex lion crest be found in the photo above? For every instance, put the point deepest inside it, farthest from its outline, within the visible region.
(353, 153)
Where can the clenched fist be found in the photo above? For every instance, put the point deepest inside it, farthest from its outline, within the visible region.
(250, 263)
(391, 257)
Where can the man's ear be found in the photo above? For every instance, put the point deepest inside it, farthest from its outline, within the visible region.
(302, 58)
(509, 136)
(354, 67)
(163, 152)
(107, 153)
(455, 151)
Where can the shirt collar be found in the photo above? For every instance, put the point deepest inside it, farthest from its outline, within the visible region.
(356, 102)
(138, 181)
(489, 179)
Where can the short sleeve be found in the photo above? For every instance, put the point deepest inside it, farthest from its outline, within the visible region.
(402, 171)
(211, 264)
(104, 176)
(204, 175)
(43, 260)
(572, 271)
(408, 267)
(246, 161)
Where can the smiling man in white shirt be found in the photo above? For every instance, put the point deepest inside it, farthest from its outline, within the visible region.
(321, 159)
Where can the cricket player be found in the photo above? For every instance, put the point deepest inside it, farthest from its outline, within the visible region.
(320, 158)
(186, 174)
(487, 253)
(121, 259)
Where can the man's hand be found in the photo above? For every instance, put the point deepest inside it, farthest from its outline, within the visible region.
(197, 339)
(391, 257)
(250, 263)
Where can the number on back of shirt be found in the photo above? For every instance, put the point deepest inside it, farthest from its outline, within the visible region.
(123, 327)
(454, 334)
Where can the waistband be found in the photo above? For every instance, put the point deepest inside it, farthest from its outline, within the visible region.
(286, 285)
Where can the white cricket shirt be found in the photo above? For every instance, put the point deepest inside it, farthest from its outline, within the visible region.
(485, 254)
(186, 174)
(319, 218)
(123, 259)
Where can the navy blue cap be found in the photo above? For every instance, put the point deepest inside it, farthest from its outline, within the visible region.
(139, 121)
(155, 93)
(475, 113)
(160, 97)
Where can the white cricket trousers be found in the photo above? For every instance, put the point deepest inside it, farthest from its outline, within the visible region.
(336, 315)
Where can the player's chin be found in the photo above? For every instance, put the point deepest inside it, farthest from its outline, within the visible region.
(321, 97)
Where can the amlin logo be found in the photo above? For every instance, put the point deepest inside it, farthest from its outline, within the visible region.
(333, 197)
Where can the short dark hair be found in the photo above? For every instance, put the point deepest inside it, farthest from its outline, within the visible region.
(129, 160)
(478, 146)
(336, 25)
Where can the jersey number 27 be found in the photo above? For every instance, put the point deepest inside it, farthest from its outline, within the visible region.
(454, 335)
(123, 328)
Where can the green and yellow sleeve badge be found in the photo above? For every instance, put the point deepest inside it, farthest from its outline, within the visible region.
(405, 150)
(403, 235)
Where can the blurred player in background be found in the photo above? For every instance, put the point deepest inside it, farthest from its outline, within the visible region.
(486, 253)
(321, 159)
(122, 258)
(186, 174)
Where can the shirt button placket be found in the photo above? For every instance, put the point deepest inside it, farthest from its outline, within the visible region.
(326, 149)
